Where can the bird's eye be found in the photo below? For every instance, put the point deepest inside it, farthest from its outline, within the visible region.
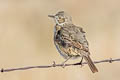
(61, 20)
(59, 17)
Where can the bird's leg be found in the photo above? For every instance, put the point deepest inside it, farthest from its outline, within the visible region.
(63, 63)
(81, 62)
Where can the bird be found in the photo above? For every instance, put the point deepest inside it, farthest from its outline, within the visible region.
(70, 40)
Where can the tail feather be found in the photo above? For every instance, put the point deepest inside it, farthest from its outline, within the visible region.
(91, 64)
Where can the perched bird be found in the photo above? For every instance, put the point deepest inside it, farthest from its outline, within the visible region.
(70, 39)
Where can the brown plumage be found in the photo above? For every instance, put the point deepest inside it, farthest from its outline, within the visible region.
(70, 40)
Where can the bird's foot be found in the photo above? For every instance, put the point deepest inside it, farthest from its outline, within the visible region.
(63, 65)
(81, 64)
(54, 64)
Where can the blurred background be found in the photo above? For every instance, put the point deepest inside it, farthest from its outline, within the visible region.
(26, 38)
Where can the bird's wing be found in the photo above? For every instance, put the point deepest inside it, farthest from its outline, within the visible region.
(75, 36)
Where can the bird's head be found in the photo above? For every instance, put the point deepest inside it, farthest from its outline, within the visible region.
(61, 18)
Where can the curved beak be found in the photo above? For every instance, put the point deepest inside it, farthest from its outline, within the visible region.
(51, 16)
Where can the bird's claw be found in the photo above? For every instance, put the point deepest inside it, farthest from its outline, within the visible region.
(54, 64)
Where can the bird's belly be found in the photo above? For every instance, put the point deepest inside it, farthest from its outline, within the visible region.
(67, 52)
(63, 54)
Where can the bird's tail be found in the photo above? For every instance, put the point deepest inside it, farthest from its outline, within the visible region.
(91, 64)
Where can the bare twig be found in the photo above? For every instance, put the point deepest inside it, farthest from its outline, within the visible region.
(57, 65)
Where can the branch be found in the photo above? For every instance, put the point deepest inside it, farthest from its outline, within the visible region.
(57, 65)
